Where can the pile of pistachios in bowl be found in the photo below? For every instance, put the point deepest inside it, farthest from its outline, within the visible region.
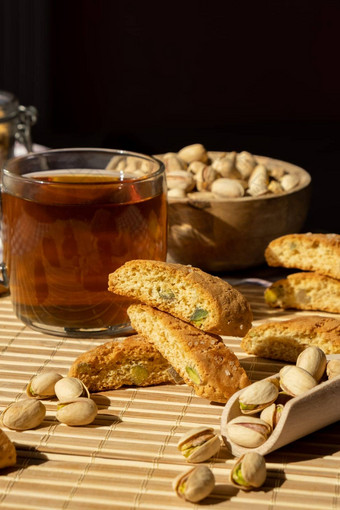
(196, 173)
(262, 403)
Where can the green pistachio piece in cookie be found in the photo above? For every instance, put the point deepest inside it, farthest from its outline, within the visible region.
(199, 315)
(139, 374)
(193, 375)
(166, 294)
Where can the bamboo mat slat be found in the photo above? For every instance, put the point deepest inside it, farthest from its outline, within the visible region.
(128, 457)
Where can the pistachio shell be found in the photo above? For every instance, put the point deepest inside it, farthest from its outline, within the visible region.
(258, 395)
(194, 152)
(80, 411)
(173, 162)
(176, 193)
(23, 415)
(8, 454)
(199, 444)
(180, 179)
(245, 163)
(226, 167)
(314, 360)
(258, 181)
(248, 431)
(333, 368)
(196, 166)
(205, 177)
(272, 414)
(195, 484)
(295, 380)
(42, 385)
(70, 388)
(230, 188)
(249, 471)
(289, 181)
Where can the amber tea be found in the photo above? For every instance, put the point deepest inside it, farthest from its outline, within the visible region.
(63, 233)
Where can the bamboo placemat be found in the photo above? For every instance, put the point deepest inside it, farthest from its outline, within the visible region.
(128, 457)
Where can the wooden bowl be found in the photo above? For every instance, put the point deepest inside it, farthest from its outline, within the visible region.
(231, 234)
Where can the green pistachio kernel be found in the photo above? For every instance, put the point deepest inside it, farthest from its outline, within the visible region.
(193, 375)
(139, 374)
(166, 294)
(199, 315)
(247, 407)
(238, 478)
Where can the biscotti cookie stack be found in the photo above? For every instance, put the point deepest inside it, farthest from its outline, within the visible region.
(316, 289)
(181, 311)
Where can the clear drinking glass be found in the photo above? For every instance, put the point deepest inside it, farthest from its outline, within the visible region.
(69, 218)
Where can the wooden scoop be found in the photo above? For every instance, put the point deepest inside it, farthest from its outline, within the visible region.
(301, 416)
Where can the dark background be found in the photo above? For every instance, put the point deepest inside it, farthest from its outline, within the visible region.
(152, 77)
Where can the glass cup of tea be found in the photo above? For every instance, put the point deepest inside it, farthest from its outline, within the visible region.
(70, 217)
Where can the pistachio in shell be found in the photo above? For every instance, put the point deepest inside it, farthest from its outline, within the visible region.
(77, 412)
(195, 484)
(248, 431)
(199, 444)
(42, 385)
(258, 395)
(23, 415)
(314, 360)
(8, 454)
(333, 368)
(69, 388)
(249, 471)
(295, 380)
(272, 414)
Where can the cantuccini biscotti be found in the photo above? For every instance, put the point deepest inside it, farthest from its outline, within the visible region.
(309, 252)
(305, 291)
(131, 361)
(202, 360)
(206, 301)
(285, 340)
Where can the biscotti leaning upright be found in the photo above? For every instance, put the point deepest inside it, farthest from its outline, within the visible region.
(202, 360)
(309, 252)
(186, 292)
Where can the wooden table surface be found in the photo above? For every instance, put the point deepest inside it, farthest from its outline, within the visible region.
(128, 457)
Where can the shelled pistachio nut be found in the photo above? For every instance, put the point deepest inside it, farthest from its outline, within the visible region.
(295, 380)
(199, 444)
(248, 431)
(272, 414)
(69, 388)
(249, 471)
(314, 360)
(80, 411)
(8, 454)
(333, 368)
(195, 484)
(42, 385)
(258, 395)
(23, 415)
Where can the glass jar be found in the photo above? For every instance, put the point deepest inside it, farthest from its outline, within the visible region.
(15, 124)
